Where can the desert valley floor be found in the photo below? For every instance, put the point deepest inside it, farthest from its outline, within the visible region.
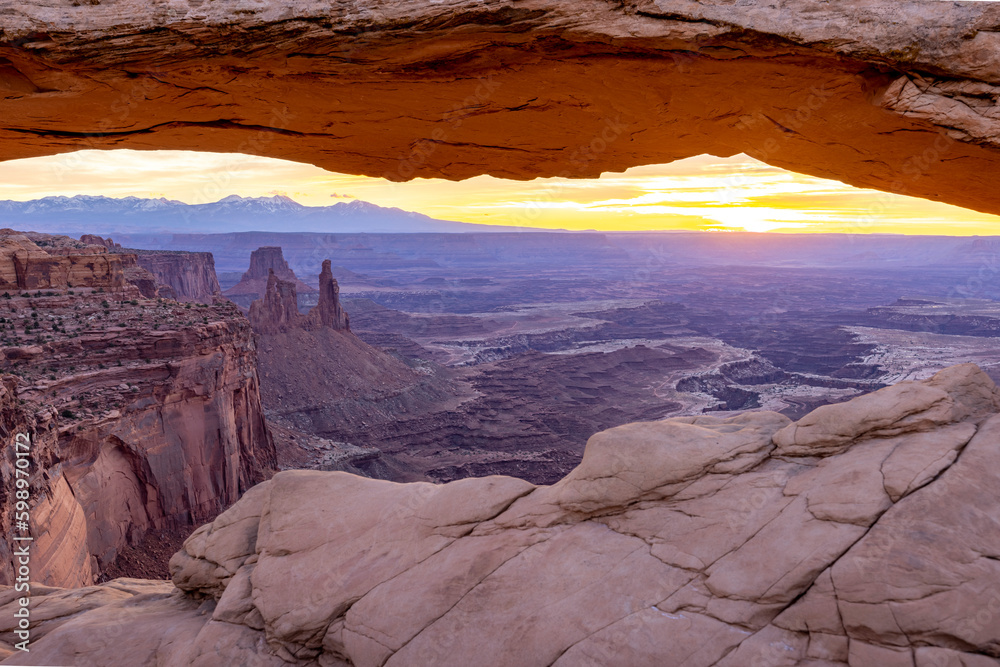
(518, 347)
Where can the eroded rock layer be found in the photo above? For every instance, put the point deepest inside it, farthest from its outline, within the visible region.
(189, 276)
(864, 534)
(899, 96)
(253, 285)
(37, 261)
(144, 413)
(278, 310)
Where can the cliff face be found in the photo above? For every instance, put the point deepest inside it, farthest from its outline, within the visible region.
(25, 264)
(864, 534)
(144, 280)
(189, 276)
(94, 239)
(268, 259)
(147, 416)
(339, 382)
(277, 311)
(61, 548)
(328, 313)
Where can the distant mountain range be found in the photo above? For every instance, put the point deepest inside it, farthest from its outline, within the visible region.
(129, 215)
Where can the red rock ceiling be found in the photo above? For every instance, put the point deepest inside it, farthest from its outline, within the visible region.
(905, 102)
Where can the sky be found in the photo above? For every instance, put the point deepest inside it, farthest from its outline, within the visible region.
(700, 193)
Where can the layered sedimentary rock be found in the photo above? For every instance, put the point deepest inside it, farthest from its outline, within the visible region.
(342, 387)
(141, 278)
(263, 262)
(94, 239)
(187, 276)
(266, 259)
(865, 537)
(58, 262)
(168, 274)
(60, 550)
(278, 312)
(328, 313)
(145, 415)
(899, 95)
(144, 280)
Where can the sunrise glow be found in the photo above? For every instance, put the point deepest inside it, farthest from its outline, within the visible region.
(701, 193)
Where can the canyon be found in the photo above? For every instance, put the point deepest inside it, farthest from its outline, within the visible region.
(319, 380)
(480, 354)
(818, 486)
(446, 374)
(659, 548)
(144, 412)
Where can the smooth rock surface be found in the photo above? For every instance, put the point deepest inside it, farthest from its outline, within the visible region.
(952, 395)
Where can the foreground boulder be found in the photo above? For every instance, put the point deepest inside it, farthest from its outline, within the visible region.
(867, 534)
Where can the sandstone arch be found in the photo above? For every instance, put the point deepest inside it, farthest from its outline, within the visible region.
(900, 96)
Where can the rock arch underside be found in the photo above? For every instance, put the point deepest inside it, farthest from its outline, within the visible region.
(865, 534)
(899, 96)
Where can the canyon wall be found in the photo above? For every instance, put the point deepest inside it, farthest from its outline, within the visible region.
(26, 265)
(190, 276)
(864, 534)
(147, 283)
(58, 523)
(146, 415)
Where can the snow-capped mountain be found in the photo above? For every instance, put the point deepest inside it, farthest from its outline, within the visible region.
(85, 204)
(255, 205)
(109, 216)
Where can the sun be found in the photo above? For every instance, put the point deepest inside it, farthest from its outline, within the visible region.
(703, 193)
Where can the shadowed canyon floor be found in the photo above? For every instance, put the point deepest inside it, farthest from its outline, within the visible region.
(508, 351)
(864, 534)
